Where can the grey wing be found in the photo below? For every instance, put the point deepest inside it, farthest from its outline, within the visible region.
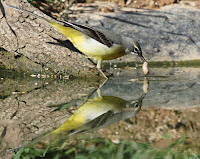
(103, 36)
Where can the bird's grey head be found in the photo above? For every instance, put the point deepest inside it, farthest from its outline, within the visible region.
(134, 48)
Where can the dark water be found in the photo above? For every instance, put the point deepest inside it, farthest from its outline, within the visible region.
(129, 116)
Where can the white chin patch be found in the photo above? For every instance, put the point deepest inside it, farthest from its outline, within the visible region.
(133, 53)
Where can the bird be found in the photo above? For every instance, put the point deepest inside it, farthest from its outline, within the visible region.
(99, 112)
(99, 44)
(95, 113)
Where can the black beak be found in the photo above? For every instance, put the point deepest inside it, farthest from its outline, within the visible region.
(139, 53)
(142, 58)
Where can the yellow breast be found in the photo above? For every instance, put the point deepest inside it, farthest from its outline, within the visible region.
(97, 50)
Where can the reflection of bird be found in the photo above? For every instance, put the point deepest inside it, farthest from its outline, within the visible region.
(99, 112)
(95, 113)
(94, 43)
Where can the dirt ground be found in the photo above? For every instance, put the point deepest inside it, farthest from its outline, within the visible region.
(175, 123)
(59, 9)
(150, 4)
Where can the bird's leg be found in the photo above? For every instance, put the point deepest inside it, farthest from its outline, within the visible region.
(99, 93)
(98, 90)
(99, 68)
(103, 83)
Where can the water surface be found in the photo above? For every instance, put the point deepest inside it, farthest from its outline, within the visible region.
(130, 115)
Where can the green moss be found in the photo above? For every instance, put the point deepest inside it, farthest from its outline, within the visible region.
(18, 63)
(155, 64)
(191, 63)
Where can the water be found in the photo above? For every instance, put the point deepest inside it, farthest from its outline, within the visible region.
(130, 116)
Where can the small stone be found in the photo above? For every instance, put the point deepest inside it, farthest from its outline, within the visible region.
(145, 85)
(156, 50)
(106, 9)
(33, 75)
(21, 19)
(145, 68)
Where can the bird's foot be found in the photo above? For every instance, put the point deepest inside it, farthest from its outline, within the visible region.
(103, 72)
(107, 75)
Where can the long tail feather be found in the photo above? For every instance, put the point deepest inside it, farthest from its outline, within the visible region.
(30, 13)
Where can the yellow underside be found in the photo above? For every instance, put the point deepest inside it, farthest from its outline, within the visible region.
(89, 111)
(89, 46)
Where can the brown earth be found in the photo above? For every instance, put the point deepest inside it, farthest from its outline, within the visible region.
(152, 124)
(57, 10)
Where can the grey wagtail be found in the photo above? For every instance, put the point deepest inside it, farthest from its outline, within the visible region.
(98, 112)
(94, 43)
(101, 111)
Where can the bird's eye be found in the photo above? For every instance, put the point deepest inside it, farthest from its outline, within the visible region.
(135, 50)
(136, 105)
